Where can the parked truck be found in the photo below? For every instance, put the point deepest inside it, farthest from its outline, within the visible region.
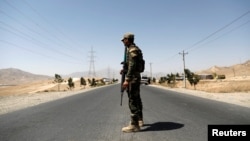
(144, 80)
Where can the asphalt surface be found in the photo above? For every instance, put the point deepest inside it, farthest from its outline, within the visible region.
(97, 116)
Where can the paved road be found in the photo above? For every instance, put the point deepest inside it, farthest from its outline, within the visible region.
(97, 116)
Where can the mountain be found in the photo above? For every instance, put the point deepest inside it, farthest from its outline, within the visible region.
(231, 71)
(107, 73)
(76, 74)
(12, 76)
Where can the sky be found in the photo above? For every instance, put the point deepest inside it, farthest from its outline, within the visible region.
(65, 36)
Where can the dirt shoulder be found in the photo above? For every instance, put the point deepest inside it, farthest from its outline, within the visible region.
(238, 98)
(13, 98)
(11, 103)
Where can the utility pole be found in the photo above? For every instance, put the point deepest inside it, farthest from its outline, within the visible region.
(92, 64)
(183, 56)
(108, 75)
(151, 71)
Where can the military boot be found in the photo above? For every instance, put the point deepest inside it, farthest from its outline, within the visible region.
(141, 123)
(133, 126)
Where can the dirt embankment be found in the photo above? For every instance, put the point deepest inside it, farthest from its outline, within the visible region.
(38, 87)
(216, 86)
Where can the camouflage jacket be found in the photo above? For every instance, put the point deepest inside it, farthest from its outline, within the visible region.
(132, 74)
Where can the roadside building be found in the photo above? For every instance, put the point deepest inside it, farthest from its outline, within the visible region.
(206, 76)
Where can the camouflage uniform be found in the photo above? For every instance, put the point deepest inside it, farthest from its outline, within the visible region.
(134, 78)
(132, 82)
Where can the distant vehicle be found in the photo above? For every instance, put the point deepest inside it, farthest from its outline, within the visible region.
(144, 80)
(106, 80)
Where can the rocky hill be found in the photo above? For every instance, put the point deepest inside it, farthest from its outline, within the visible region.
(12, 76)
(238, 70)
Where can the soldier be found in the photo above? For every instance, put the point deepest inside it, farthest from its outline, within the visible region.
(132, 84)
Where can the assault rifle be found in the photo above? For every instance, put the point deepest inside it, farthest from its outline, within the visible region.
(124, 71)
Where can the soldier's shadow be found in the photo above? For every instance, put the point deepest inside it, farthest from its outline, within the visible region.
(161, 126)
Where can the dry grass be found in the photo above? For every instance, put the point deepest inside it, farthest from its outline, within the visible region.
(212, 86)
(224, 86)
(217, 86)
(26, 88)
(38, 87)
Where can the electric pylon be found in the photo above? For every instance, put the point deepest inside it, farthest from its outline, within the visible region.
(92, 64)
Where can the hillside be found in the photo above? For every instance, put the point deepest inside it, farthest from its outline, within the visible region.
(237, 80)
(12, 76)
(238, 70)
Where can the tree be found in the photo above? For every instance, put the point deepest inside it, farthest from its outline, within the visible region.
(71, 83)
(58, 79)
(83, 82)
(171, 78)
(114, 80)
(177, 74)
(102, 82)
(89, 81)
(196, 80)
(149, 80)
(154, 79)
(93, 83)
(192, 78)
(162, 79)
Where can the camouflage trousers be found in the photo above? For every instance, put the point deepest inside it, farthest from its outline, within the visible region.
(135, 103)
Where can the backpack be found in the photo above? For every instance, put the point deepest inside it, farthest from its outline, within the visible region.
(140, 61)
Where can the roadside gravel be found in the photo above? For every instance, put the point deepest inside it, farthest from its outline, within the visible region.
(241, 99)
(16, 102)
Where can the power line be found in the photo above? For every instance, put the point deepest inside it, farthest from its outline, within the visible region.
(221, 35)
(222, 28)
(28, 37)
(17, 21)
(60, 43)
(210, 35)
(51, 24)
(38, 53)
(194, 46)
